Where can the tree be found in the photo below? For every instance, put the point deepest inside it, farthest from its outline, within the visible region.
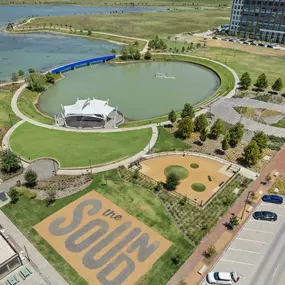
(31, 70)
(14, 195)
(136, 43)
(234, 222)
(137, 55)
(188, 110)
(36, 82)
(236, 134)
(261, 82)
(185, 127)
(172, 117)
(203, 134)
(124, 53)
(113, 51)
(14, 77)
(217, 129)
(277, 85)
(201, 123)
(251, 153)
(31, 178)
(226, 142)
(10, 162)
(89, 33)
(21, 73)
(183, 49)
(211, 250)
(172, 180)
(261, 140)
(147, 55)
(50, 78)
(245, 80)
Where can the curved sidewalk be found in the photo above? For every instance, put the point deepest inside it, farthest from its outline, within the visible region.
(224, 109)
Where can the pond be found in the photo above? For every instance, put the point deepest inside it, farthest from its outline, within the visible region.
(43, 51)
(134, 88)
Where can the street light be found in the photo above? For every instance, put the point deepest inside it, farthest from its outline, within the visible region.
(249, 193)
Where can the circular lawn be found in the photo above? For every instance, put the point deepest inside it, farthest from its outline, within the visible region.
(198, 187)
(194, 165)
(180, 171)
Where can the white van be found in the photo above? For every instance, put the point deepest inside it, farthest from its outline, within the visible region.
(225, 278)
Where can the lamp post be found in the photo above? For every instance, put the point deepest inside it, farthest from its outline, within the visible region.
(249, 193)
(90, 165)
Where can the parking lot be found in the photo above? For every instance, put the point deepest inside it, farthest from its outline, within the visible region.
(246, 251)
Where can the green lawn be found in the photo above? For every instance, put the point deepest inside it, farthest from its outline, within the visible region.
(137, 201)
(73, 149)
(240, 61)
(26, 104)
(180, 171)
(144, 25)
(280, 123)
(167, 142)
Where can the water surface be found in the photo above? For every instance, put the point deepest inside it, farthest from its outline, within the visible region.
(133, 88)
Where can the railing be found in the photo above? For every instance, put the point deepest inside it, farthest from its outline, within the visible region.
(81, 63)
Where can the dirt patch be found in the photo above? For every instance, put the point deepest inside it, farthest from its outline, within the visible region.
(154, 168)
(103, 243)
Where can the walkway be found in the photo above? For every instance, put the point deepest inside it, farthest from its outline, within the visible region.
(277, 163)
(43, 267)
(224, 110)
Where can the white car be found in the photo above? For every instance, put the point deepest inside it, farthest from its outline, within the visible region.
(225, 278)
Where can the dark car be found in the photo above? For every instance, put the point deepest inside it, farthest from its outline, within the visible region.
(272, 199)
(265, 216)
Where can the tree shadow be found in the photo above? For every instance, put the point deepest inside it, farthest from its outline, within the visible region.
(219, 151)
(199, 143)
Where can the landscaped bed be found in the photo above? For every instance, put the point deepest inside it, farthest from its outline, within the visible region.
(135, 200)
(77, 149)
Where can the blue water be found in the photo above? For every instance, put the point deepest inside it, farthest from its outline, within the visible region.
(42, 50)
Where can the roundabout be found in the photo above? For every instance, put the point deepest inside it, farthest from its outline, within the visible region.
(122, 148)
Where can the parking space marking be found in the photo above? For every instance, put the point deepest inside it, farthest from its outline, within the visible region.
(248, 251)
(264, 232)
(273, 205)
(253, 240)
(275, 271)
(264, 222)
(239, 262)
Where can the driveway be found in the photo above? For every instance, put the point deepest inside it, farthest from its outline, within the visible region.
(250, 247)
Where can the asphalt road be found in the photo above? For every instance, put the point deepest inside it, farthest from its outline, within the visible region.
(257, 253)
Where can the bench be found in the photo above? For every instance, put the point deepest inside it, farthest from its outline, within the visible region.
(249, 209)
(202, 269)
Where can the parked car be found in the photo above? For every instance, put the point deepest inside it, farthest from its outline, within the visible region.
(265, 216)
(227, 278)
(272, 199)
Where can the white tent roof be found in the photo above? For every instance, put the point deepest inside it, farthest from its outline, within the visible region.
(89, 107)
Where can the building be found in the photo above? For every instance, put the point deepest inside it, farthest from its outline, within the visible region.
(91, 113)
(259, 19)
(9, 257)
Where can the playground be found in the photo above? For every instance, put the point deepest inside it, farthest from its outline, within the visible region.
(200, 177)
(102, 242)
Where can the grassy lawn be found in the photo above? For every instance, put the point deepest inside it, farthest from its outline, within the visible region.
(198, 187)
(167, 142)
(73, 149)
(7, 117)
(26, 104)
(280, 123)
(137, 201)
(180, 171)
(242, 62)
(144, 25)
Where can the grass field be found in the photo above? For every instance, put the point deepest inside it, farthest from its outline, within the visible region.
(280, 123)
(135, 200)
(26, 104)
(241, 62)
(180, 171)
(73, 149)
(144, 25)
(7, 117)
(167, 142)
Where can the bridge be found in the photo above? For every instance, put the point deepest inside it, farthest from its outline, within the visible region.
(80, 63)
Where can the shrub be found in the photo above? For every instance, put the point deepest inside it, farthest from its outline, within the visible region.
(31, 178)
(14, 195)
(10, 162)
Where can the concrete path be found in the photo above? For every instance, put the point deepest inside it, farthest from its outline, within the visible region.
(224, 110)
(47, 272)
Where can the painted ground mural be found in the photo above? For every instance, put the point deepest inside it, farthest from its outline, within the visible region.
(103, 243)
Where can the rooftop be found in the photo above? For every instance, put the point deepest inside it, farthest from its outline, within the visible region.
(6, 250)
(89, 107)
